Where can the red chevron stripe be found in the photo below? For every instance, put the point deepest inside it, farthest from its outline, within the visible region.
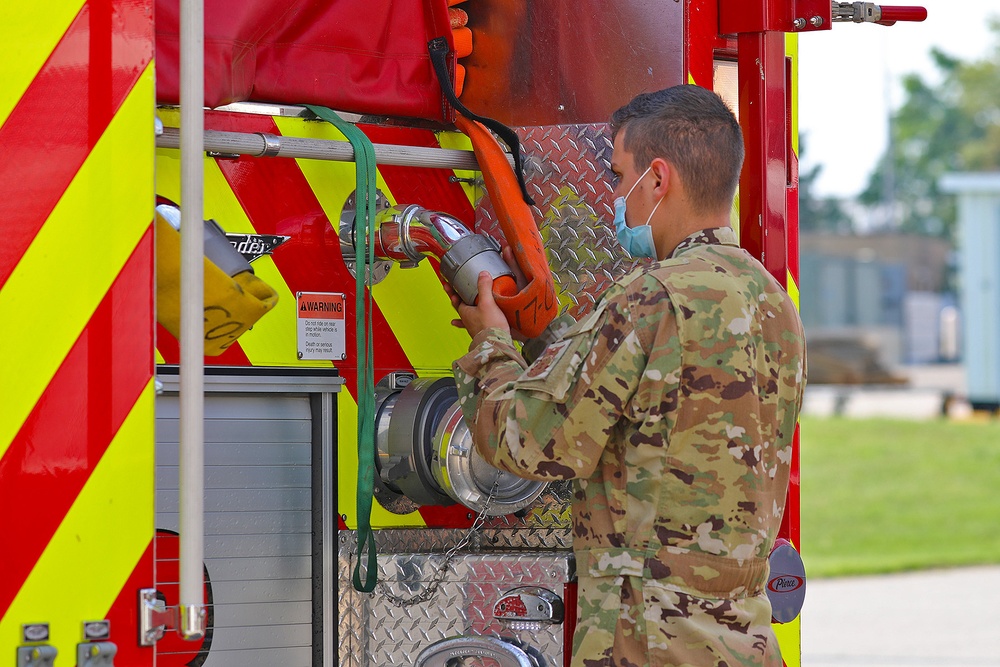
(64, 112)
(124, 618)
(277, 199)
(77, 416)
(170, 350)
(433, 189)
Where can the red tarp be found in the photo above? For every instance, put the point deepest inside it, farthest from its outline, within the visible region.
(363, 56)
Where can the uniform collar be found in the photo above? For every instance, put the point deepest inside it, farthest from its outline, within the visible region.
(712, 236)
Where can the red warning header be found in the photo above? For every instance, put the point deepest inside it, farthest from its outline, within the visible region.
(316, 306)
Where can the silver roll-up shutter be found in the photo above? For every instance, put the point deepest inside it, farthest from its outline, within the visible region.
(259, 519)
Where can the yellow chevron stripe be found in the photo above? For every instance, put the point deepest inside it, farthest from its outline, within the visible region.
(31, 33)
(793, 289)
(734, 213)
(792, 51)
(330, 181)
(420, 314)
(72, 262)
(347, 474)
(98, 544)
(790, 634)
(790, 640)
(459, 142)
(271, 342)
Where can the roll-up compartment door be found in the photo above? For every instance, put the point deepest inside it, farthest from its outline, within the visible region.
(258, 527)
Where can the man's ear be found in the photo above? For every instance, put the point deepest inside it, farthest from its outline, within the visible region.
(664, 173)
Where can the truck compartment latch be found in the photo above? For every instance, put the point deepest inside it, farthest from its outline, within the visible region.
(155, 617)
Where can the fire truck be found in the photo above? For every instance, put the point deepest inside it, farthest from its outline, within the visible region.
(228, 434)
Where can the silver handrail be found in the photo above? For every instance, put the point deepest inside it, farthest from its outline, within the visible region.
(193, 616)
(262, 144)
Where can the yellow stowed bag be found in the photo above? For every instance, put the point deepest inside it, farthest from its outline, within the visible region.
(233, 303)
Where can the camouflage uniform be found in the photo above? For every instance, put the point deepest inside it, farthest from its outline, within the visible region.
(673, 405)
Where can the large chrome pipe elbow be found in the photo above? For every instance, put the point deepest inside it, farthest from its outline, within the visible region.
(414, 232)
(407, 234)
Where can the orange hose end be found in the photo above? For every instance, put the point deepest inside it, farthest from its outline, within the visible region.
(463, 42)
(452, 3)
(458, 17)
(504, 286)
(459, 80)
(532, 308)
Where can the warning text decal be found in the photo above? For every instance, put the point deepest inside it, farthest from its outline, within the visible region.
(321, 325)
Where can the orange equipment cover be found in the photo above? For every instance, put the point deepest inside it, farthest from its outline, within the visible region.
(363, 56)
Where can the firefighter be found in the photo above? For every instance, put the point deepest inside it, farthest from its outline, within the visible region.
(672, 405)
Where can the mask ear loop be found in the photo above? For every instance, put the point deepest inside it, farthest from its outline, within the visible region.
(653, 211)
(637, 181)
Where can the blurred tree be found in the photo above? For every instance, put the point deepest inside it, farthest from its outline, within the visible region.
(950, 126)
(819, 214)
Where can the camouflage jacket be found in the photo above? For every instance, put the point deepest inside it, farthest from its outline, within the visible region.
(672, 404)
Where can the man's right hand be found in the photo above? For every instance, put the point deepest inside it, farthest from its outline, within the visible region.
(485, 314)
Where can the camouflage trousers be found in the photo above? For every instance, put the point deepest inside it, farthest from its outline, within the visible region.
(627, 621)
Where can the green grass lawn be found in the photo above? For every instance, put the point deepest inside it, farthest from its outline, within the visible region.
(885, 495)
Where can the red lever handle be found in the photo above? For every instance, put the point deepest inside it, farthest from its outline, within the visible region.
(892, 14)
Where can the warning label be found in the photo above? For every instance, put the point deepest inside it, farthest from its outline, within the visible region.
(320, 325)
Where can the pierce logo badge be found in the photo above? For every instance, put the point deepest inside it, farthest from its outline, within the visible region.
(785, 583)
(510, 606)
(255, 246)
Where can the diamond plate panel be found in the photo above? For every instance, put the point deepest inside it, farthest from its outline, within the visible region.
(569, 176)
(546, 525)
(376, 631)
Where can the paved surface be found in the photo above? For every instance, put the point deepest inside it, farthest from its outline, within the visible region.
(937, 618)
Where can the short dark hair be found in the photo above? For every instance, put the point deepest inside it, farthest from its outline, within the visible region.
(693, 129)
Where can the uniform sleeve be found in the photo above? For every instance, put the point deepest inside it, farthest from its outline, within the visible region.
(551, 420)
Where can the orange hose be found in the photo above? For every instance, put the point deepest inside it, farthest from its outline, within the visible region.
(532, 308)
(459, 79)
(463, 42)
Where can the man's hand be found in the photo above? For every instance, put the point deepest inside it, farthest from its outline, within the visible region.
(484, 314)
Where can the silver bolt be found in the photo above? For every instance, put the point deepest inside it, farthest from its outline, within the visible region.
(816, 21)
(799, 23)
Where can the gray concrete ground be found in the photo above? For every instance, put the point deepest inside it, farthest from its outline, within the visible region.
(937, 618)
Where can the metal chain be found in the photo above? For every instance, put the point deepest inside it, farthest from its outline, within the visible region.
(432, 588)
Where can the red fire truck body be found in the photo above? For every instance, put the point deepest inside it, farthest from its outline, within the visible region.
(293, 443)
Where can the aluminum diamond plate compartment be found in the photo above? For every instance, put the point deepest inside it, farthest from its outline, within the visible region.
(375, 630)
(569, 176)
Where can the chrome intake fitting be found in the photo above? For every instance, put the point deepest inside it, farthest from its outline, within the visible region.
(466, 259)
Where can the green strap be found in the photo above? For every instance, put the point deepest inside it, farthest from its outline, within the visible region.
(364, 253)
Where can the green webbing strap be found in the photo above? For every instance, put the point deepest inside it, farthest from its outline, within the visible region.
(364, 253)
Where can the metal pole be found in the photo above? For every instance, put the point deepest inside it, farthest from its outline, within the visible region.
(192, 372)
(270, 145)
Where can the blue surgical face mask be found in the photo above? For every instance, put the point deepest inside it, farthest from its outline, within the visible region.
(638, 241)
